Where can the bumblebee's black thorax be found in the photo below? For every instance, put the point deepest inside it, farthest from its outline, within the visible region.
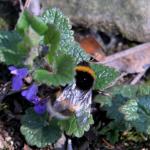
(85, 76)
(84, 80)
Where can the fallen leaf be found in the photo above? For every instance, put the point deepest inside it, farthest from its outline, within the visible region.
(92, 47)
(132, 60)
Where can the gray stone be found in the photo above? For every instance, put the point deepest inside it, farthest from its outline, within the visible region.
(130, 17)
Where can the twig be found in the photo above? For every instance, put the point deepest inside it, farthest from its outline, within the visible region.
(7, 93)
(108, 144)
(21, 5)
(138, 77)
(112, 42)
(116, 80)
(104, 93)
(27, 4)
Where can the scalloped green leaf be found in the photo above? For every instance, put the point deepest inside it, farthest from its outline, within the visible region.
(137, 113)
(36, 23)
(113, 111)
(103, 100)
(9, 50)
(128, 104)
(112, 131)
(129, 91)
(143, 90)
(129, 109)
(52, 38)
(123, 90)
(104, 75)
(37, 130)
(22, 24)
(67, 43)
(62, 74)
(73, 128)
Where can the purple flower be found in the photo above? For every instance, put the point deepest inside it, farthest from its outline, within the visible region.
(31, 95)
(40, 108)
(18, 76)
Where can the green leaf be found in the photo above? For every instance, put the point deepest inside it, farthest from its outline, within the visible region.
(128, 104)
(36, 23)
(104, 75)
(107, 99)
(112, 131)
(62, 74)
(76, 51)
(129, 91)
(125, 90)
(118, 124)
(52, 38)
(113, 111)
(22, 24)
(103, 100)
(67, 43)
(37, 130)
(9, 50)
(142, 90)
(72, 127)
(137, 113)
(134, 136)
(130, 110)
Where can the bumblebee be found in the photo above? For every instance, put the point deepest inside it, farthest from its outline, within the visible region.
(77, 97)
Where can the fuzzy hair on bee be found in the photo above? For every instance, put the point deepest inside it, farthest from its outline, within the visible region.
(77, 97)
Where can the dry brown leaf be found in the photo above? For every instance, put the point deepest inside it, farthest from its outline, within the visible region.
(92, 47)
(132, 60)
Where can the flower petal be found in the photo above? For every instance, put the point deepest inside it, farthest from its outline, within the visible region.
(13, 70)
(36, 100)
(23, 72)
(30, 94)
(16, 83)
(24, 93)
(40, 108)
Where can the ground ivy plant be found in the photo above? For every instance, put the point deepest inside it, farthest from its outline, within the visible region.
(128, 107)
(43, 50)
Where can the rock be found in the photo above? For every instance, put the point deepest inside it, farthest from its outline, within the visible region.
(131, 18)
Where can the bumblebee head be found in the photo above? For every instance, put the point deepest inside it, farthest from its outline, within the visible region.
(85, 76)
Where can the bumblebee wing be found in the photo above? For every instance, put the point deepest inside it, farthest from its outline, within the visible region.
(84, 112)
(64, 100)
(52, 111)
(60, 104)
(76, 101)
